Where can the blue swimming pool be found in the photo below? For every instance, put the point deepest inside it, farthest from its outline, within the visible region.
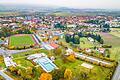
(46, 64)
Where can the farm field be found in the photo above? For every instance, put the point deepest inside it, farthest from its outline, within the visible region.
(117, 34)
(9, 14)
(115, 42)
(21, 41)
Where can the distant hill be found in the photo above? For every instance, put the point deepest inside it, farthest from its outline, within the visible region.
(58, 10)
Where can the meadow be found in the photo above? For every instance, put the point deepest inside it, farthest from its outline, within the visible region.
(113, 40)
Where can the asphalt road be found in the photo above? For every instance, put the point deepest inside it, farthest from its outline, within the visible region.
(13, 51)
(5, 75)
(116, 75)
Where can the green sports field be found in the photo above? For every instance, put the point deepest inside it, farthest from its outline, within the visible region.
(23, 40)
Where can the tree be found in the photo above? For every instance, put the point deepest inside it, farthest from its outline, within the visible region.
(12, 68)
(76, 39)
(2, 78)
(71, 58)
(22, 72)
(2, 38)
(11, 47)
(58, 51)
(101, 41)
(29, 70)
(106, 27)
(34, 29)
(36, 71)
(68, 74)
(61, 71)
(19, 71)
(68, 38)
(5, 31)
(83, 76)
(45, 76)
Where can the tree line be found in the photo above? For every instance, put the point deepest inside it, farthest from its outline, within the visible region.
(75, 38)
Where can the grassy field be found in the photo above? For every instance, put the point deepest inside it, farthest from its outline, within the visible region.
(115, 32)
(87, 44)
(110, 39)
(61, 14)
(21, 40)
(97, 73)
(9, 14)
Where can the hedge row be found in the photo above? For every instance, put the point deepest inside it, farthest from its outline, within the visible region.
(20, 47)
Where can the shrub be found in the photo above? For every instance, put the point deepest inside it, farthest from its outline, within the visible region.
(107, 46)
(11, 47)
(58, 51)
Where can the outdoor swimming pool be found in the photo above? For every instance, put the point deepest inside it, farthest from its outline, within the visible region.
(46, 64)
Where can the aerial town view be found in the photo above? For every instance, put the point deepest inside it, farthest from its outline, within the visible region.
(59, 39)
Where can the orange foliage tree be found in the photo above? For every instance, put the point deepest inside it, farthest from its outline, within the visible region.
(71, 58)
(45, 76)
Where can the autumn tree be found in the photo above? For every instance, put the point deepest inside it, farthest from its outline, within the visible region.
(12, 69)
(58, 51)
(36, 71)
(71, 58)
(61, 71)
(68, 74)
(45, 76)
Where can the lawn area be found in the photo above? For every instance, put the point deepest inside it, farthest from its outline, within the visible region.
(22, 40)
(87, 44)
(20, 58)
(97, 73)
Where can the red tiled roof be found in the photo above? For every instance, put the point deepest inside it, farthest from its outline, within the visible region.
(54, 45)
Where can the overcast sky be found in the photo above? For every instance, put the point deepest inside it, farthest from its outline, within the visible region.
(106, 4)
